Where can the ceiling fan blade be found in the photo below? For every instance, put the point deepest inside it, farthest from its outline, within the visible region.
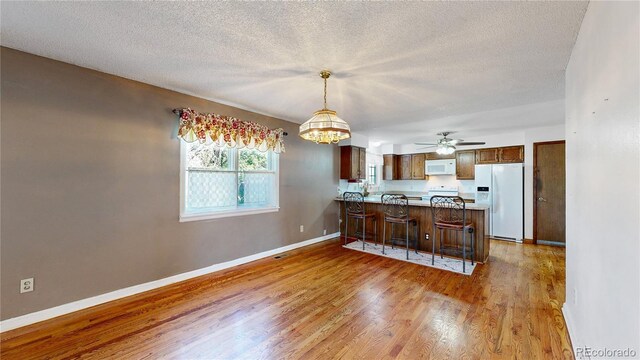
(427, 147)
(466, 143)
(422, 143)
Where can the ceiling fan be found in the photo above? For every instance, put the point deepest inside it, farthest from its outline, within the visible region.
(447, 146)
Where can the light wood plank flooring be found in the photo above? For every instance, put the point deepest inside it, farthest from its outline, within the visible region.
(324, 302)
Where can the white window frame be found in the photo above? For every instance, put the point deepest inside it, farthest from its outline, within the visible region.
(217, 214)
(369, 174)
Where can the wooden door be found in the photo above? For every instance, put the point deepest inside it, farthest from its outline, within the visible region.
(511, 154)
(405, 167)
(487, 156)
(549, 192)
(362, 163)
(389, 167)
(417, 166)
(465, 164)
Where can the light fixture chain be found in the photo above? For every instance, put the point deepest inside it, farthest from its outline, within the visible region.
(325, 92)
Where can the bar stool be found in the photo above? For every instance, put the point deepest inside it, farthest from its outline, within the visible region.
(354, 208)
(396, 211)
(449, 213)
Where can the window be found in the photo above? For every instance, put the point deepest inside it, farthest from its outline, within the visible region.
(372, 174)
(220, 181)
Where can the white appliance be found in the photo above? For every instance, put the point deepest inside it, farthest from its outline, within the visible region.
(501, 187)
(441, 191)
(440, 167)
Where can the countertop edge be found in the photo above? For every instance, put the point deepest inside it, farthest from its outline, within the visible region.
(469, 206)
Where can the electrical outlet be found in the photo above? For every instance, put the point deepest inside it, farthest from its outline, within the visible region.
(324, 232)
(26, 285)
(301, 228)
(426, 236)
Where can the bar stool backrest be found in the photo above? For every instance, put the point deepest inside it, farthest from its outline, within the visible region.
(353, 202)
(395, 206)
(450, 209)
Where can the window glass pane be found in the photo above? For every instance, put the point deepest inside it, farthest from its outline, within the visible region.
(252, 159)
(255, 189)
(209, 189)
(203, 156)
(221, 179)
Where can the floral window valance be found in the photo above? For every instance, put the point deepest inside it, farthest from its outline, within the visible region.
(227, 130)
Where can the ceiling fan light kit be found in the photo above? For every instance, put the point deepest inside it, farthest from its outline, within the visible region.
(446, 149)
(325, 127)
(446, 146)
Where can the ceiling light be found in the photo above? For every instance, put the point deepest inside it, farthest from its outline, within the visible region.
(325, 127)
(445, 149)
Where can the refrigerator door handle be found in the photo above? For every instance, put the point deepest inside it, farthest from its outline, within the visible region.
(494, 185)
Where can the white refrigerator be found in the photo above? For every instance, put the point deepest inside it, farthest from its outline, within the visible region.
(501, 187)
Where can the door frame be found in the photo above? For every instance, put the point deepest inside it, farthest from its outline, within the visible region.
(535, 187)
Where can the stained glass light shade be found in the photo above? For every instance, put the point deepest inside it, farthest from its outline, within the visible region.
(325, 127)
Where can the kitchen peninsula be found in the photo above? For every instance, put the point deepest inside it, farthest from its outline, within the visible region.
(421, 210)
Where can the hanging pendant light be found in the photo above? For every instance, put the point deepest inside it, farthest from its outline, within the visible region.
(325, 127)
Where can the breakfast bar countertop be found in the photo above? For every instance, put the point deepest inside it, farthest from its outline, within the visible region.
(420, 210)
(375, 199)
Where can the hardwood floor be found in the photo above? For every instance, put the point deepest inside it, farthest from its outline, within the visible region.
(323, 302)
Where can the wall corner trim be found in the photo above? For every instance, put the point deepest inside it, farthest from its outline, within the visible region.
(568, 320)
(46, 314)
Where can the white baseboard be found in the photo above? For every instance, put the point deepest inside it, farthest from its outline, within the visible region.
(568, 319)
(50, 313)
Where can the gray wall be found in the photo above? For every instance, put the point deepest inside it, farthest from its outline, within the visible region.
(90, 186)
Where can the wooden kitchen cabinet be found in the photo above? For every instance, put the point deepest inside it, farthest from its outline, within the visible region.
(511, 154)
(404, 162)
(501, 155)
(465, 164)
(411, 167)
(354, 168)
(353, 162)
(390, 167)
(363, 163)
(417, 166)
(487, 156)
(435, 156)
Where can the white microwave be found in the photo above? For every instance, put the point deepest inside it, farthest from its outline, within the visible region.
(440, 167)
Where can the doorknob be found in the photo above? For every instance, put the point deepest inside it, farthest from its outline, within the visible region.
(541, 199)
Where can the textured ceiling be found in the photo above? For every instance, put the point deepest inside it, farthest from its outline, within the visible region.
(402, 70)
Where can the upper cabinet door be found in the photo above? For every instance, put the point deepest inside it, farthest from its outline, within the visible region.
(352, 162)
(487, 156)
(355, 163)
(511, 154)
(417, 166)
(345, 162)
(465, 164)
(436, 156)
(362, 163)
(405, 167)
(389, 168)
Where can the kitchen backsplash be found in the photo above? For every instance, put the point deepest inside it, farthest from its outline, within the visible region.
(464, 186)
